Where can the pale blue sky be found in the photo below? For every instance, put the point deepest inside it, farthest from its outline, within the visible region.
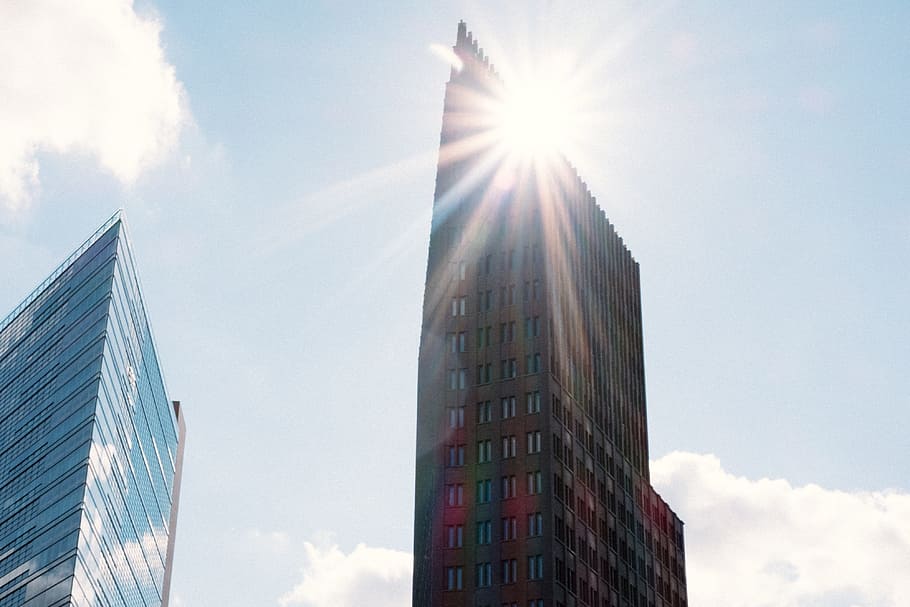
(754, 156)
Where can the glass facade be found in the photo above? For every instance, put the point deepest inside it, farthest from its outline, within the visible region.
(90, 445)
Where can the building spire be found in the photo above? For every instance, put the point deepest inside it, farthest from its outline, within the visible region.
(469, 51)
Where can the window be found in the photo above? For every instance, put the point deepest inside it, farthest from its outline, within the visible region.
(462, 379)
(488, 264)
(484, 491)
(532, 363)
(484, 412)
(454, 578)
(535, 603)
(453, 379)
(535, 524)
(459, 306)
(535, 483)
(484, 575)
(535, 567)
(462, 341)
(533, 401)
(454, 536)
(508, 406)
(534, 441)
(508, 368)
(455, 495)
(508, 487)
(536, 289)
(532, 327)
(509, 528)
(483, 337)
(456, 455)
(461, 270)
(485, 300)
(509, 571)
(452, 341)
(507, 332)
(456, 417)
(484, 532)
(509, 447)
(506, 296)
(484, 451)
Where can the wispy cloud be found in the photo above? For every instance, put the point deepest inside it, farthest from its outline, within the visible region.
(756, 543)
(83, 77)
(366, 576)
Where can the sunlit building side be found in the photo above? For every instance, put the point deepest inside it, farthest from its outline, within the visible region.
(90, 445)
(532, 479)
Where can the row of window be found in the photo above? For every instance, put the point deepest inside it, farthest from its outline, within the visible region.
(486, 299)
(458, 342)
(456, 415)
(484, 573)
(454, 537)
(508, 261)
(484, 494)
(508, 369)
(456, 453)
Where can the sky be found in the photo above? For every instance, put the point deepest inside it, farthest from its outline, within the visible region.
(277, 161)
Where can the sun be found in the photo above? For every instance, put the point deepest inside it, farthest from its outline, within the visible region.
(522, 118)
(537, 117)
(532, 120)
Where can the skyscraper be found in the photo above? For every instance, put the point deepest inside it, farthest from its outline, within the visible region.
(90, 446)
(532, 480)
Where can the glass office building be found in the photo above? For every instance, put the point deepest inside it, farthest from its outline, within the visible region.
(90, 445)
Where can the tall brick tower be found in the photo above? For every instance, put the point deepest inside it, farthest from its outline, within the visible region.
(532, 481)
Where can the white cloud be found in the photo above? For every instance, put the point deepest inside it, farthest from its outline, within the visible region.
(757, 543)
(367, 576)
(87, 77)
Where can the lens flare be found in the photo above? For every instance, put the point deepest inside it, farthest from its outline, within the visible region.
(532, 121)
(536, 118)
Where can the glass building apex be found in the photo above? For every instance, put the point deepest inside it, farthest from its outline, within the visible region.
(90, 445)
